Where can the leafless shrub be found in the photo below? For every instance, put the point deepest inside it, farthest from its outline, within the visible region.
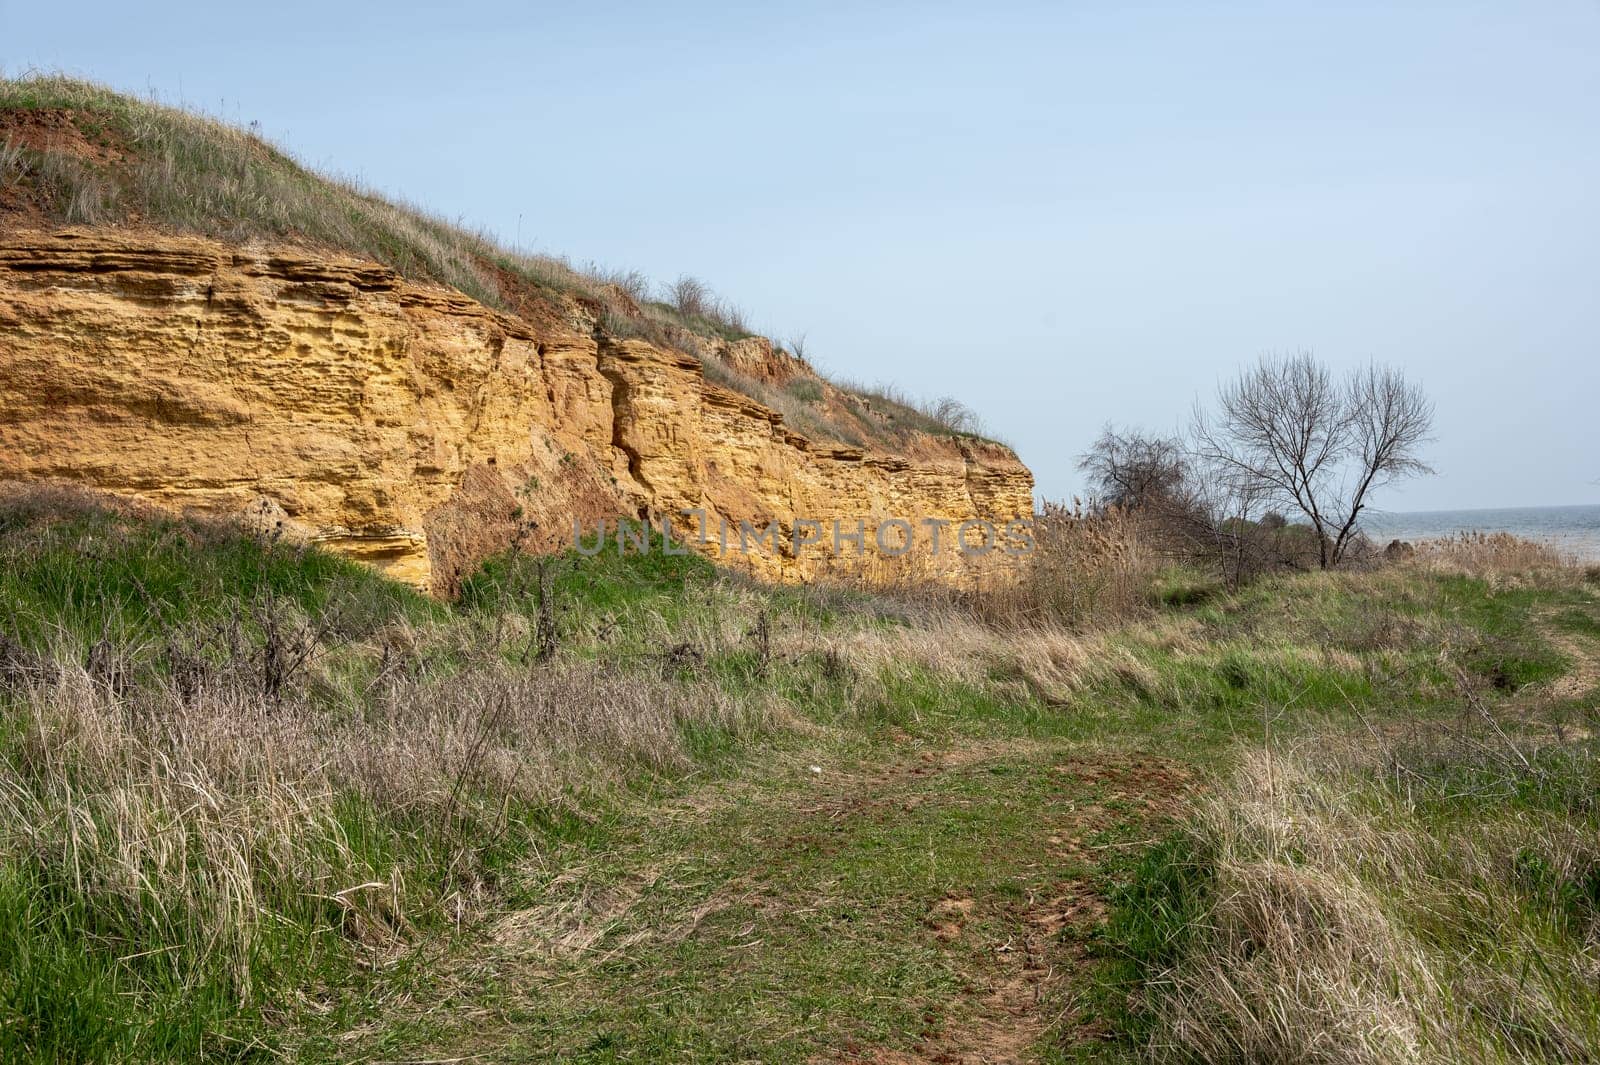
(761, 636)
(631, 283)
(954, 415)
(731, 316)
(1187, 509)
(19, 667)
(899, 409)
(690, 297)
(1132, 470)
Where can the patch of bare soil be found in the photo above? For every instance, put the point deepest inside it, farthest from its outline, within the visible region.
(62, 131)
(521, 297)
(58, 131)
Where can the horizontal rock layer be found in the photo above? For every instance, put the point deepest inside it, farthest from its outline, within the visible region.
(414, 428)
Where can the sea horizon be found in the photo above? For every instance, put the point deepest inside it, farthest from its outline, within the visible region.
(1573, 527)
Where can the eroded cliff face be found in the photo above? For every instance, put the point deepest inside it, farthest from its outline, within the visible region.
(411, 427)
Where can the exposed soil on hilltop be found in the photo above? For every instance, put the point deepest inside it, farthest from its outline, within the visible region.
(64, 133)
(62, 130)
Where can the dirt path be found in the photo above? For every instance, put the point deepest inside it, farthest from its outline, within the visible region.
(932, 909)
(1584, 677)
(1031, 981)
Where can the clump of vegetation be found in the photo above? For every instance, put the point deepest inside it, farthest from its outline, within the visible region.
(944, 416)
(226, 758)
(1286, 432)
(805, 390)
(1493, 554)
(1081, 570)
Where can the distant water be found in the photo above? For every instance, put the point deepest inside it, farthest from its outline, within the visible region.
(1575, 529)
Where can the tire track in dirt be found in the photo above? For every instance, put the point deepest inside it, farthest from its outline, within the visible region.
(1584, 677)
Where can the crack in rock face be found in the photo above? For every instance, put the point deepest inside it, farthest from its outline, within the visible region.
(410, 426)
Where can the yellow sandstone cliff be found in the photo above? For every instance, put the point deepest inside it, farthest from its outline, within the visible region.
(412, 427)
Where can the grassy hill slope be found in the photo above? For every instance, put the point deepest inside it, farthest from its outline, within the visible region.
(72, 152)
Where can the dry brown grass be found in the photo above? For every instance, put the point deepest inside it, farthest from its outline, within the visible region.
(1048, 663)
(902, 410)
(1362, 910)
(211, 802)
(1477, 554)
(1086, 571)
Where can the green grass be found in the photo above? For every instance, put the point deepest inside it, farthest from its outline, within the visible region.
(788, 918)
(806, 391)
(710, 896)
(1476, 844)
(85, 980)
(1579, 621)
(630, 572)
(80, 571)
(826, 980)
(1158, 901)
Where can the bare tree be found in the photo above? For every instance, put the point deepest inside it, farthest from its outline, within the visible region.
(1291, 434)
(1216, 513)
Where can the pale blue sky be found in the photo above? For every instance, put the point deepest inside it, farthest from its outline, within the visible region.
(1063, 214)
